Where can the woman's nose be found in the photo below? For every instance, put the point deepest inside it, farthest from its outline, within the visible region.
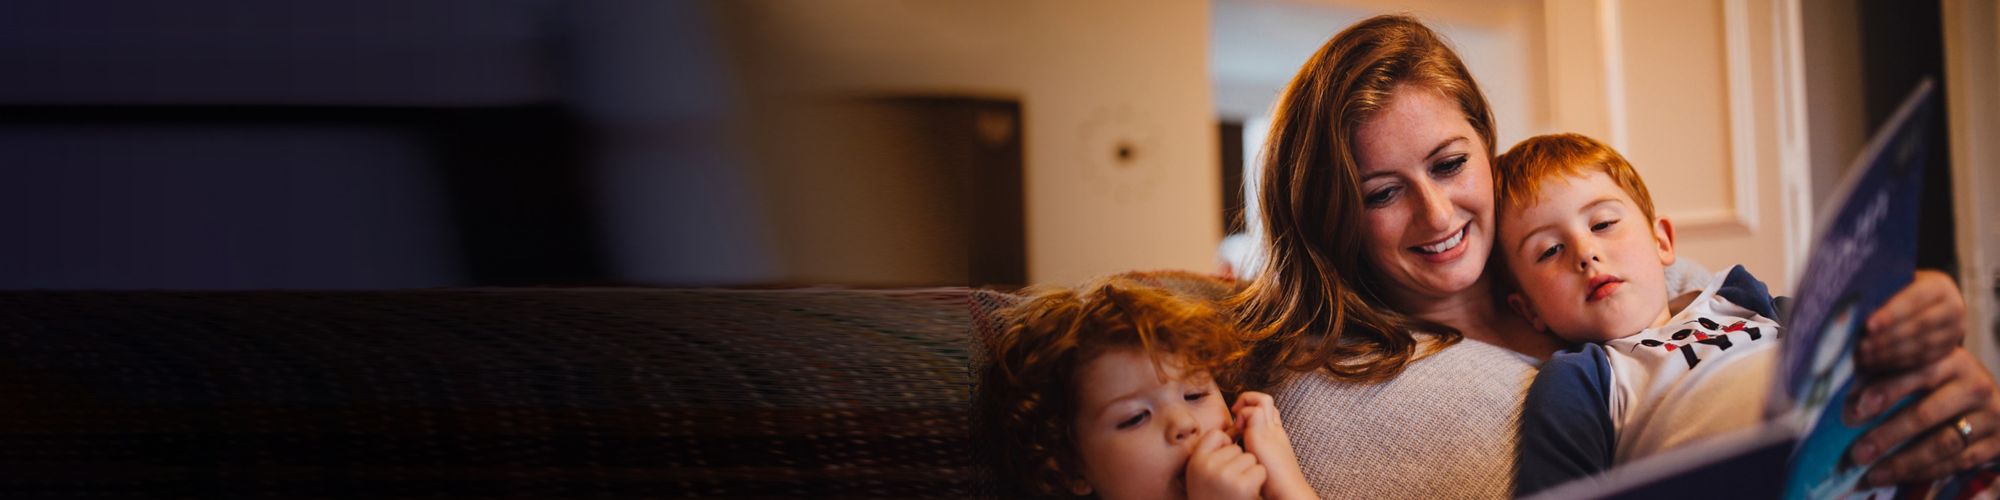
(1436, 206)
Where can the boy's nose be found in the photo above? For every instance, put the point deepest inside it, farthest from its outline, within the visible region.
(1585, 255)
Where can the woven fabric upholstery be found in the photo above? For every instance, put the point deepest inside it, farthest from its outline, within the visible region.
(526, 393)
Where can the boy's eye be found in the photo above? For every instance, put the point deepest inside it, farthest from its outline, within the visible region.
(1603, 225)
(1381, 196)
(1551, 252)
(1196, 396)
(1134, 421)
(1449, 168)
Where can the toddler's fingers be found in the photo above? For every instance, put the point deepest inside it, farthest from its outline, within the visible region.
(1252, 398)
(1211, 442)
(1240, 463)
(1256, 475)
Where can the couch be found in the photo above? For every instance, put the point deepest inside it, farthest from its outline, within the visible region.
(533, 393)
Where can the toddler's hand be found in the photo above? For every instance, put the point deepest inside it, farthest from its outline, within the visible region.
(1264, 437)
(1219, 470)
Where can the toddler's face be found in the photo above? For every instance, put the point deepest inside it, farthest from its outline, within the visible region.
(1135, 429)
(1590, 266)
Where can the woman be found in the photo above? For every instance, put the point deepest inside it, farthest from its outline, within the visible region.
(1398, 371)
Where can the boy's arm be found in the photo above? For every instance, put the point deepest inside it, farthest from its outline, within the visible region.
(1566, 429)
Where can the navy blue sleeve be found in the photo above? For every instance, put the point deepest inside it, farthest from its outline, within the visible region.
(1745, 290)
(1566, 430)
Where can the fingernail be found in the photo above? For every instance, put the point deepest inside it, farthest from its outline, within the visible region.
(1863, 453)
(1870, 404)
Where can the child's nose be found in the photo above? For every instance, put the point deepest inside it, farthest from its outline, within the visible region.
(1587, 253)
(1182, 426)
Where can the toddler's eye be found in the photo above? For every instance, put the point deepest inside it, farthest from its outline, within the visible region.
(1551, 252)
(1196, 396)
(1134, 421)
(1603, 225)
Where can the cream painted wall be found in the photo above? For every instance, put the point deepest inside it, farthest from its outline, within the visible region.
(1694, 106)
(1972, 82)
(1089, 76)
(1260, 44)
(1693, 93)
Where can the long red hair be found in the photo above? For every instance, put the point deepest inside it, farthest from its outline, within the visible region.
(1314, 305)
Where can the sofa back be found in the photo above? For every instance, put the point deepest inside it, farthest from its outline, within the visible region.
(541, 393)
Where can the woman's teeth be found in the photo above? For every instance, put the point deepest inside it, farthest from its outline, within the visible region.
(1446, 244)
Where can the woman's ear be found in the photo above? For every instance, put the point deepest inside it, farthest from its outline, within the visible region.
(1527, 312)
(1663, 233)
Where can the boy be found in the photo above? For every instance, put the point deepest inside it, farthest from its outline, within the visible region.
(1108, 391)
(1587, 255)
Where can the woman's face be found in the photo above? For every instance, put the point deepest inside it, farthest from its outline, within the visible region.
(1427, 195)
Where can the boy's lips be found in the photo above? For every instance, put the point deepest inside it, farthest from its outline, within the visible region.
(1602, 286)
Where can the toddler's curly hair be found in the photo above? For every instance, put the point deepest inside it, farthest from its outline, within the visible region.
(1026, 399)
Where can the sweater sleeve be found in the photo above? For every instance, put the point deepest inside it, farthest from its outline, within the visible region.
(1566, 428)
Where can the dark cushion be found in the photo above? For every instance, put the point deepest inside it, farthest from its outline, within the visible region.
(533, 393)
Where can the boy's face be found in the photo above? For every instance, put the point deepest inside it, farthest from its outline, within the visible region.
(1590, 266)
(1135, 430)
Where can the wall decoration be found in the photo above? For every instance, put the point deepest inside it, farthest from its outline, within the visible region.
(1119, 154)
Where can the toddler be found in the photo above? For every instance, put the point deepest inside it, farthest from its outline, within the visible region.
(1111, 391)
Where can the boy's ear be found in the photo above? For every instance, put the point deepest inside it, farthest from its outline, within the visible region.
(1663, 233)
(1521, 307)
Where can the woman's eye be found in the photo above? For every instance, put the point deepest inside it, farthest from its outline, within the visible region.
(1449, 167)
(1551, 252)
(1134, 421)
(1603, 225)
(1380, 197)
(1196, 396)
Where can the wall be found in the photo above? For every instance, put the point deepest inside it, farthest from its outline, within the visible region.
(1260, 44)
(1688, 91)
(215, 144)
(1697, 95)
(1972, 85)
(1088, 75)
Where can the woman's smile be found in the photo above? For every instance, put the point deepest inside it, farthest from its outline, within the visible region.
(1446, 250)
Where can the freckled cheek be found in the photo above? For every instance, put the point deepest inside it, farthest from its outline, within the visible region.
(1474, 195)
(1383, 230)
(1217, 416)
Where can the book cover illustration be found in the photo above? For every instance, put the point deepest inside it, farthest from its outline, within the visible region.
(1863, 253)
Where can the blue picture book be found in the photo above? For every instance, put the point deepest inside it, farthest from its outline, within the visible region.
(1863, 251)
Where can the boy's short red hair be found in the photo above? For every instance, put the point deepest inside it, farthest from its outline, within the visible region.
(1026, 400)
(1523, 169)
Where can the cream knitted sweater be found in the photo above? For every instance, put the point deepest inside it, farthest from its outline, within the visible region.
(1445, 428)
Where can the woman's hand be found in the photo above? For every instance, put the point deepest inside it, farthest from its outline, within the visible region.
(1960, 388)
(1218, 469)
(1920, 324)
(1264, 437)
